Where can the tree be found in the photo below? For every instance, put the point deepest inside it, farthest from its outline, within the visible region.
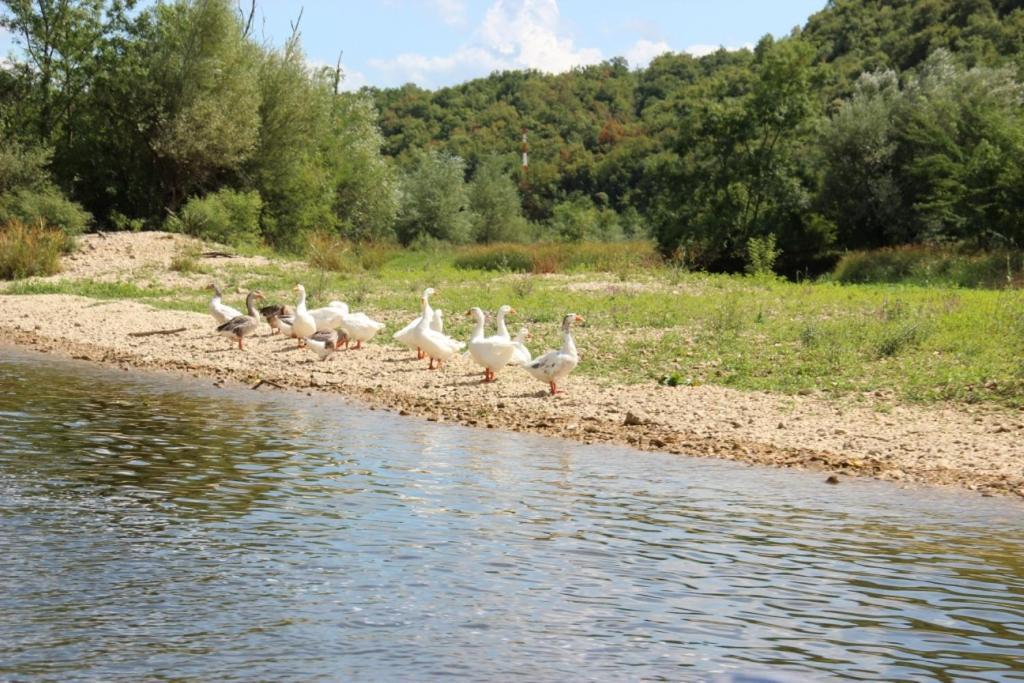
(435, 200)
(497, 214)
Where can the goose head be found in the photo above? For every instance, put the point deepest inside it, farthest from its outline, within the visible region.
(505, 309)
(429, 292)
(571, 318)
(476, 313)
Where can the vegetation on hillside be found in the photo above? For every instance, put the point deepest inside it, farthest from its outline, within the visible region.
(880, 123)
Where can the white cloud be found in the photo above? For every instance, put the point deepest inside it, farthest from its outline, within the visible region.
(643, 51)
(453, 12)
(514, 34)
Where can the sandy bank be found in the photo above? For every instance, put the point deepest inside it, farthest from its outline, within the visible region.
(976, 448)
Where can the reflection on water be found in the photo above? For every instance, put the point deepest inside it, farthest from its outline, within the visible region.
(156, 528)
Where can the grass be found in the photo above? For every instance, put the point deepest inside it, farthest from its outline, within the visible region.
(894, 342)
(187, 260)
(27, 250)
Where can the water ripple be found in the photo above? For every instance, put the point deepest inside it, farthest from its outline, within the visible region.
(157, 529)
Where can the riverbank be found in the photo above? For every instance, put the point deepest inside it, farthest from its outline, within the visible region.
(864, 433)
(977, 449)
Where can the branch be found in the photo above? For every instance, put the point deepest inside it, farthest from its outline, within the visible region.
(152, 332)
(268, 382)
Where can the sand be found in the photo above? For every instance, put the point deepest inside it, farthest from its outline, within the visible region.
(975, 447)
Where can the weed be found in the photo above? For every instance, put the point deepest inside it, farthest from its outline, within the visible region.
(187, 261)
(27, 250)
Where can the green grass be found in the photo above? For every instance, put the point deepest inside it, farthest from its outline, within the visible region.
(649, 325)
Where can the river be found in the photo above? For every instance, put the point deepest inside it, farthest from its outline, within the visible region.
(160, 528)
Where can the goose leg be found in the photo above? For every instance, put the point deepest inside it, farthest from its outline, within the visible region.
(554, 389)
(240, 344)
(419, 354)
(359, 344)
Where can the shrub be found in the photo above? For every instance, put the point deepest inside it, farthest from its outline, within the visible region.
(504, 257)
(187, 260)
(920, 264)
(225, 216)
(27, 250)
(761, 255)
(327, 251)
(46, 206)
(559, 257)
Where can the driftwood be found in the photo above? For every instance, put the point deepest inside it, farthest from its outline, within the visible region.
(266, 381)
(216, 254)
(152, 332)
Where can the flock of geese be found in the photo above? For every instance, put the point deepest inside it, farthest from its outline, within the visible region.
(323, 330)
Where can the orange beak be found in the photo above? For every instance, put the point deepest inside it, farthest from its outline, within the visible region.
(580, 319)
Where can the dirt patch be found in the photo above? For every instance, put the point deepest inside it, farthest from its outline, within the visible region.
(978, 449)
(125, 256)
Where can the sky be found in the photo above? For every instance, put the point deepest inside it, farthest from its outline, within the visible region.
(435, 43)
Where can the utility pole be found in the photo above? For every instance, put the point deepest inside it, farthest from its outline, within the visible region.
(525, 147)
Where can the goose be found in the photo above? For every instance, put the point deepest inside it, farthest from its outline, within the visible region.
(504, 310)
(436, 345)
(493, 353)
(554, 366)
(242, 326)
(407, 334)
(327, 317)
(323, 344)
(358, 327)
(221, 312)
(304, 325)
(278, 312)
(522, 354)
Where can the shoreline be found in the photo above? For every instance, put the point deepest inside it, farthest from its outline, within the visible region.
(975, 449)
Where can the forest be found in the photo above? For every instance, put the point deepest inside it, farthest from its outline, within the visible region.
(876, 124)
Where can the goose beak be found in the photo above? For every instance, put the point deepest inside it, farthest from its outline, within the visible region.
(513, 311)
(580, 319)
(469, 313)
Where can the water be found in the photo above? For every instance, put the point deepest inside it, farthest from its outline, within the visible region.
(155, 528)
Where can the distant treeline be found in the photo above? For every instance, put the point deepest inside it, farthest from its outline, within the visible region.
(876, 124)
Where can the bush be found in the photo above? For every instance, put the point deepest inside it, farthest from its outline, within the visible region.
(327, 251)
(225, 216)
(578, 220)
(27, 250)
(559, 257)
(46, 206)
(761, 255)
(919, 264)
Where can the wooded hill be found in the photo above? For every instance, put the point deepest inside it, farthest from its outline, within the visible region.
(877, 123)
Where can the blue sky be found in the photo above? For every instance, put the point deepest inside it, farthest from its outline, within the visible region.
(441, 42)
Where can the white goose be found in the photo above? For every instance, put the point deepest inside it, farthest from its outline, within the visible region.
(407, 334)
(522, 355)
(221, 312)
(554, 366)
(358, 326)
(436, 345)
(327, 318)
(493, 353)
(504, 310)
(304, 325)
